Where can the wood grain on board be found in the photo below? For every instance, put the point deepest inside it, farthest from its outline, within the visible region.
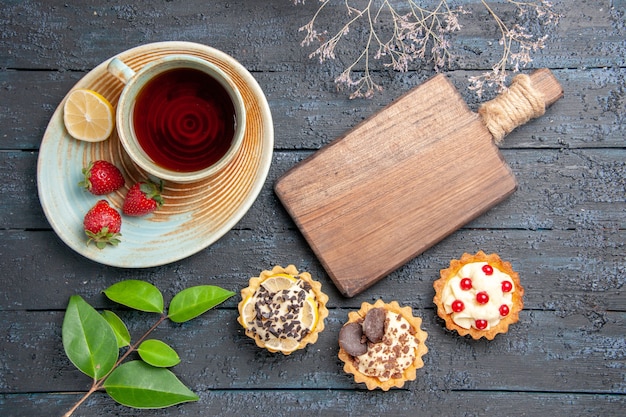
(398, 183)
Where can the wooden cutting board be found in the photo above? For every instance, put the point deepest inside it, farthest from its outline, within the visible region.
(399, 182)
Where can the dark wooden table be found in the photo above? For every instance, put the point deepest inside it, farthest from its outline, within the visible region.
(564, 229)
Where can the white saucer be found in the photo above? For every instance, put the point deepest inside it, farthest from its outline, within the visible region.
(194, 215)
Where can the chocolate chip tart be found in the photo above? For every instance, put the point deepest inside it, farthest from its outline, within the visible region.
(382, 345)
(283, 310)
(479, 295)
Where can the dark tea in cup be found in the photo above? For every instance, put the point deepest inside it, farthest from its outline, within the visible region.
(184, 120)
(180, 117)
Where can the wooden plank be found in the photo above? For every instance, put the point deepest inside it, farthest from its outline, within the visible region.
(569, 271)
(75, 37)
(306, 119)
(545, 352)
(545, 198)
(401, 403)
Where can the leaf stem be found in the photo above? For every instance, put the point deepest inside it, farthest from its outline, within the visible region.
(97, 384)
(135, 345)
(94, 388)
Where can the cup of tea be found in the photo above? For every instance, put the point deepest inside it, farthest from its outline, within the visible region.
(180, 117)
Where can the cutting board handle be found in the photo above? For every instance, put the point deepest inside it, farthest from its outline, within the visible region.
(526, 98)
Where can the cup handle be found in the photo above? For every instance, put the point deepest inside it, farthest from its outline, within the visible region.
(120, 70)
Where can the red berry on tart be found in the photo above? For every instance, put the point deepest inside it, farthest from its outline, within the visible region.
(487, 288)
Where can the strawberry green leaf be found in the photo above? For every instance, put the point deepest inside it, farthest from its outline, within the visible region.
(88, 339)
(194, 301)
(136, 294)
(157, 353)
(139, 385)
(119, 328)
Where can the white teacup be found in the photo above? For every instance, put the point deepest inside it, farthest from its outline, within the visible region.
(180, 117)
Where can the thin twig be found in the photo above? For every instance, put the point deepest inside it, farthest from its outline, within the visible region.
(97, 384)
(423, 34)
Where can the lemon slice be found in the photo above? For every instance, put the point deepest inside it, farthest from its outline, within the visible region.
(310, 314)
(283, 345)
(247, 312)
(88, 116)
(278, 282)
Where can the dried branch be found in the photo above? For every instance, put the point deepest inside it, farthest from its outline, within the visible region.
(421, 34)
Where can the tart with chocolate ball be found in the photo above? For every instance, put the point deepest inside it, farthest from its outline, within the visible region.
(382, 345)
(479, 295)
(283, 310)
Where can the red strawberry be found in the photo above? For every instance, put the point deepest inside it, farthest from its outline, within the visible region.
(143, 198)
(101, 177)
(102, 225)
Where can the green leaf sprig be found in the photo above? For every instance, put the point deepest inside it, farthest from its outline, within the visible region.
(92, 342)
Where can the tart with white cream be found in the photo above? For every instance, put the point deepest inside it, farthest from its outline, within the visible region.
(283, 310)
(382, 345)
(479, 295)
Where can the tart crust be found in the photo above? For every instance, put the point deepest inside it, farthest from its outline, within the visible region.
(320, 297)
(495, 261)
(409, 374)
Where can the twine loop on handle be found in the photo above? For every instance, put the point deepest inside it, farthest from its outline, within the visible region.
(517, 105)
